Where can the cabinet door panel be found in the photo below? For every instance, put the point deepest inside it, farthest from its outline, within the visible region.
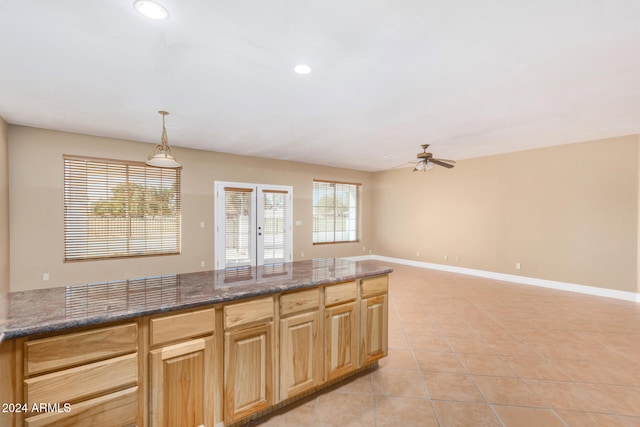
(181, 384)
(373, 330)
(300, 354)
(248, 371)
(341, 340)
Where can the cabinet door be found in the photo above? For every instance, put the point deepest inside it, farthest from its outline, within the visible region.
(342, 339)
(373, 329)
(181, 384)
(300, 354)
(248, 371)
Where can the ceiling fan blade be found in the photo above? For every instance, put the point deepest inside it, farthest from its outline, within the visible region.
(440, 162)
(446, 160)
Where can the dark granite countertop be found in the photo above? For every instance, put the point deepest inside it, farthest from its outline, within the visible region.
(57, 309)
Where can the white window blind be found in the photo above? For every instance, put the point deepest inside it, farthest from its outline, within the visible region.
(274, 225)
(118, 209)
(335, 211)
(238, 226)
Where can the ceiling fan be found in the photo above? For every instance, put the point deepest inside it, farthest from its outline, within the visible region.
(426, 161)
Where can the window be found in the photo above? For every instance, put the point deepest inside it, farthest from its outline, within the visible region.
(116, 209)
(335, 211)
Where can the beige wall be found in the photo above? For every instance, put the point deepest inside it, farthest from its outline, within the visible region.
(36, 179)
(4, 207)
(567, 213)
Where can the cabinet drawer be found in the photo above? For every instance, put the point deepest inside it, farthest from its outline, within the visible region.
(374, 286)
(62, 351)
(300, 301)
(248, 312)
(118, 408)
(336, 294)
(182, 326)
(76, 383)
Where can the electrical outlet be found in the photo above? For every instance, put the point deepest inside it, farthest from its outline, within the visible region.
(302, 254)
(201, 263)
(45, 276)
(417, 253)
(446, 257)
(517, 266)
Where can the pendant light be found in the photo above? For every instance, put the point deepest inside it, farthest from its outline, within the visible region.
(163, 158)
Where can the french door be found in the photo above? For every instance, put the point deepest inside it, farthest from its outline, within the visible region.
(253, 224)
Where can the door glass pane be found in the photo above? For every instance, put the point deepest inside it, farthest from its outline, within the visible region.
(274, 222)
(238, 227)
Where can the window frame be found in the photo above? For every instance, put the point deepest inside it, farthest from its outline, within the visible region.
(141, 246)
(257, 220)
(358, 212)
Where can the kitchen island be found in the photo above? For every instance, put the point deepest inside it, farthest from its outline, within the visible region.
(208, 348)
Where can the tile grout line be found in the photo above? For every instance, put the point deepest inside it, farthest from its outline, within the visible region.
(433, 409)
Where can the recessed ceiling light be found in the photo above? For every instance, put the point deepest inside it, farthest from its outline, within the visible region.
(302, 69)
(151, 9)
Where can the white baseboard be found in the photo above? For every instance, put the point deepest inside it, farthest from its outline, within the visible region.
(572, 287)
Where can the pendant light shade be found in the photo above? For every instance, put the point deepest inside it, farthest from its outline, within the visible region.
(161, 156)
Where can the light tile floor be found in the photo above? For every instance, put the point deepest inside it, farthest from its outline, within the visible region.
(468, 351)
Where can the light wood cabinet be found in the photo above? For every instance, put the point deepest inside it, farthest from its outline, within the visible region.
(181, 384)
(341, 330)
(181, 370)
(95, 373)
(181, 326)
(301, 355)
(66, 350)
(114, 409)
(341, 340)
(373, 329)
(200, 367)
(249, 358)
(82, 381)
(373, 319)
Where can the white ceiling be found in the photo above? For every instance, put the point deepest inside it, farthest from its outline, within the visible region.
(470, 77)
